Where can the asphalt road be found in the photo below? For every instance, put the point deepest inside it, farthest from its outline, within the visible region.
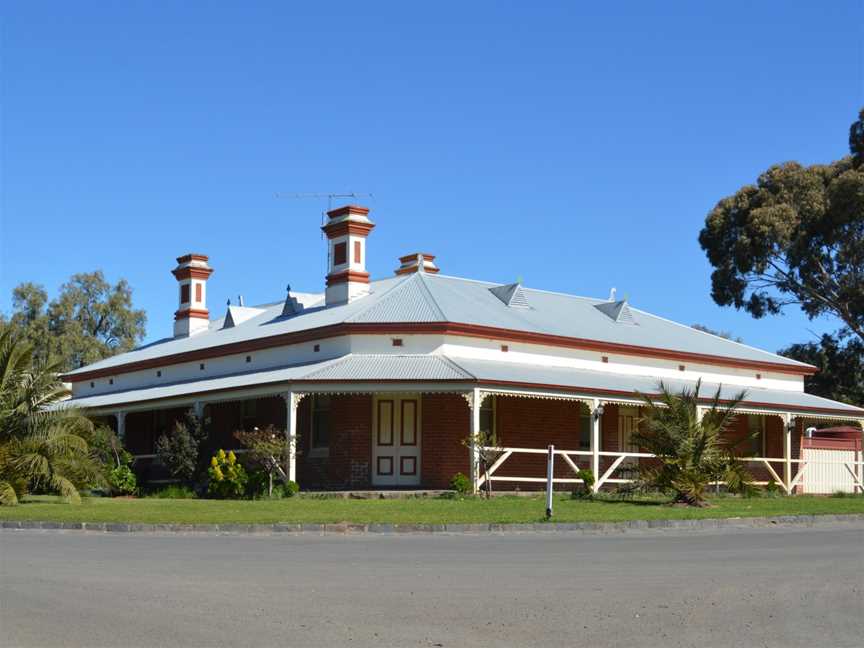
(755, 587)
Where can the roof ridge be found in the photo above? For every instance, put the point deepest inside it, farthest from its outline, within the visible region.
(455, 365)
(385, 295)
(428, 293)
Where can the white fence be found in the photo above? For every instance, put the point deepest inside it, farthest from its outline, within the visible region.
(824, 469)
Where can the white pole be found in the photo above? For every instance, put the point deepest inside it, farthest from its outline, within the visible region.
(787, 452)
(474, 451)
(291, 402)
(596, 413)
(550, 471)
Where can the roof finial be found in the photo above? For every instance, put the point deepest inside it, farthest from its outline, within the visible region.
(612, 294)
(229, 301)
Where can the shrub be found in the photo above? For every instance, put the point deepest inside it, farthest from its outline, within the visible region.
(227, 476)
(267, 448)
(772, 489)
(461, 484)
(174, 491)
(180, 449)
(585, 490)
(122, 480)
(290, 488)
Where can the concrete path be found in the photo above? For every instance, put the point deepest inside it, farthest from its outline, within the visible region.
(746, 587)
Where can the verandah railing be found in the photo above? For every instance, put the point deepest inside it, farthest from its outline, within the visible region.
(793, 478)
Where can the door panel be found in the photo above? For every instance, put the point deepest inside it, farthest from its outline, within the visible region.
(396, 441)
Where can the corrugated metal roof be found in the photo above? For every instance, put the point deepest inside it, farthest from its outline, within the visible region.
(423, 297)
(389, 367)
(611, 383)
(372, 368)
(409, 301)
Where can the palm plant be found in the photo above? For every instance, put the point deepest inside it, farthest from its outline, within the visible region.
(690, 449)
(41, 446)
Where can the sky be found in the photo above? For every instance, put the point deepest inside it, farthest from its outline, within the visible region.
(575, 146)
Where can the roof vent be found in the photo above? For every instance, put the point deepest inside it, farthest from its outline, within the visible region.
(618, 311)
(512, 295)
(292, 305)
(417, 262)
(239, 314)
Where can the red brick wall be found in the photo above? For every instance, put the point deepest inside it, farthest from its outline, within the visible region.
(445, 423)
(536, 423)
(350, 453)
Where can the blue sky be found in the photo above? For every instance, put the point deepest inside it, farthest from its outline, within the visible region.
(577, 146)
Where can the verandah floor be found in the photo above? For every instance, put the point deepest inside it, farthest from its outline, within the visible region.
(503, 510)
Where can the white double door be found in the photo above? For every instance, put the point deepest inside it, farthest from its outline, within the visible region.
(396, 440)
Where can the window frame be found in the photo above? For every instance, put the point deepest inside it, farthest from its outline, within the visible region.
(763, 436)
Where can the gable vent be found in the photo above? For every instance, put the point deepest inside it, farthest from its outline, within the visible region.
(292, 305)
(238, 314)
(618, 311)
(512, 295)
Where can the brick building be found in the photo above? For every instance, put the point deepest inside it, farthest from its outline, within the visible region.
(383, 383)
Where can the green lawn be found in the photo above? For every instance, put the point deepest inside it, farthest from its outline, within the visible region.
(409, 511)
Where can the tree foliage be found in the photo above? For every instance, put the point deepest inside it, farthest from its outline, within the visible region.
(841, 367)
(40, 447)
(795, 237)
(267, 448)
(181, 450)
(690, 449)
(728, 335)
(88, 320)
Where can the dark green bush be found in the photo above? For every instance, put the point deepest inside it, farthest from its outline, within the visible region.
(290, 488)
(461, 484)
(122, 480)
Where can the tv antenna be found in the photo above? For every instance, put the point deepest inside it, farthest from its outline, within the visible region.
(329, 197)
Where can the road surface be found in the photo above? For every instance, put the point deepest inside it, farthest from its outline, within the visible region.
(740, 587)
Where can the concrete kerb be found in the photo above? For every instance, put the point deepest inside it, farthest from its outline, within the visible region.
(346, 528)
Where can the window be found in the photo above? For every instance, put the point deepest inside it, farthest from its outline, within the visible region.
(110, 381)
(248, 358)
(249, 412)
(756, 435)
(627, 418)
(357, 256)
(682, 368)
(92, 385)
(184, 294)
(340, 253)
(487, 416)
(316, 348)
(201, 366)
(505, 348)
(604, 359)
(159, 374)
(584, 429)
(397, 341)
(320, 432)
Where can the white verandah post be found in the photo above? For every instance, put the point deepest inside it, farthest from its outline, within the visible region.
(788, 426)
(475, 401)
(596, 414)
(292, 401)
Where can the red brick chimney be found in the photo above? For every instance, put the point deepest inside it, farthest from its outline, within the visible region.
(192, 316)
(346, 230)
